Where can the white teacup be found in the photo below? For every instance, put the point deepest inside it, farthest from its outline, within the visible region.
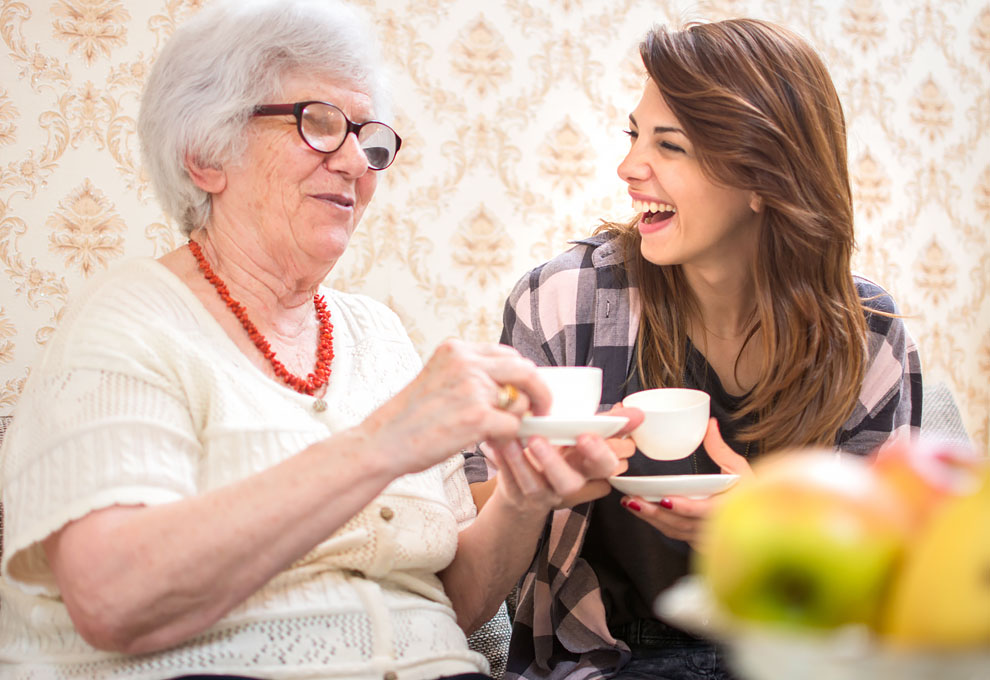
(576, 390)
(675, 421)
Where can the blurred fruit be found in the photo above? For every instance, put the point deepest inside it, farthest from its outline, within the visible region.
(925, 474)
(941, 596)
(810, 541)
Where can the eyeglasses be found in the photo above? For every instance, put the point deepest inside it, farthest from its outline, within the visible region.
(324, 128)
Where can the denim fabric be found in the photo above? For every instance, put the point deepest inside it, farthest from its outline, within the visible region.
(675, 662)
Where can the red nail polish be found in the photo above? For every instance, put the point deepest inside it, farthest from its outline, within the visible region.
(666, 503)
(634, 506)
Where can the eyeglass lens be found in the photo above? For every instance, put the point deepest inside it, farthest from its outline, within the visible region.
(324, 127)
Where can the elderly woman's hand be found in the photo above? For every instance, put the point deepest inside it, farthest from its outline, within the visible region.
(454, 403)
(678, 517)
(541, 476)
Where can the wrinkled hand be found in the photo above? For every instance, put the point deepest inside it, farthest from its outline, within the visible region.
(678, 517)
(450, 405)
(541, 477)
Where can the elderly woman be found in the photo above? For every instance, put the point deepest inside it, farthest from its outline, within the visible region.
(219, 466)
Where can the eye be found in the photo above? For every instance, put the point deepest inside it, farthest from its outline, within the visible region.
(671, 147)
(633, 134)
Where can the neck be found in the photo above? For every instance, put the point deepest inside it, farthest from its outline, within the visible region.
(726, 298)
(270, 288)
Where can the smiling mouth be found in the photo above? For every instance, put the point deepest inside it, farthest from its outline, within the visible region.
(336, 199)
(654, 212)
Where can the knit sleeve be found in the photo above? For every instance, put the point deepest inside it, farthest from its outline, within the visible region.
(458, 493)
(100, 423)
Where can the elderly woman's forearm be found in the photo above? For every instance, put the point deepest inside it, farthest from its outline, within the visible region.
(492, 554)
(139, 579)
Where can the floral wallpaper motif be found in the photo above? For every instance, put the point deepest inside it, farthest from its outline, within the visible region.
(511, 115)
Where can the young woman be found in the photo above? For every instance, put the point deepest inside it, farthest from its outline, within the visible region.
(734, 278)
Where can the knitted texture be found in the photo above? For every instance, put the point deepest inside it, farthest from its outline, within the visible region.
(141, 398)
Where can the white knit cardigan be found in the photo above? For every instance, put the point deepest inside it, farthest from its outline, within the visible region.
(142, 398)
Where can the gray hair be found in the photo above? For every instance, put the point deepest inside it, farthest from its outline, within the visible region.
(230, 57)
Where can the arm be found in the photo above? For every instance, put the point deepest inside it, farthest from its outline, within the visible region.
(890, 399)
(138, 579)
(498, 546)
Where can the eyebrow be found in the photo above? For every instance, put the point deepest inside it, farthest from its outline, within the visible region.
(659, 129)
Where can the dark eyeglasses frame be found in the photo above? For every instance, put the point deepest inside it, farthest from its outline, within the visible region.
(296, 110)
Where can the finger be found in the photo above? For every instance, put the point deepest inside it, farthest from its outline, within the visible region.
(528, 481)
(723, 456)
(622, 448)
(593, 457)
(520, 372)
(634, 415)
(510, 399)
(499, 427)
(669, 523)
(559, 475)
(506, 477)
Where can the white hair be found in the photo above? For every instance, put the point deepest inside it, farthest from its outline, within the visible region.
(230, 57)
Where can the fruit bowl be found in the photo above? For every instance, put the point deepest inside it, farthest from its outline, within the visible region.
(763, 652)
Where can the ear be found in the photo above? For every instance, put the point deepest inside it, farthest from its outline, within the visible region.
(210, 180)
(756, 203)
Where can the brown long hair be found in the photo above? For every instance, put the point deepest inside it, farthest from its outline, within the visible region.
(761, 111)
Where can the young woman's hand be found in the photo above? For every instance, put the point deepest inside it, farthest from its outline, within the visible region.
(679, 517)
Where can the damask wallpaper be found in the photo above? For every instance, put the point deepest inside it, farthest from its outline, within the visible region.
(511, 113)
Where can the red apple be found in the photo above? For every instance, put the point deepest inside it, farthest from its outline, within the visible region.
(924, 474)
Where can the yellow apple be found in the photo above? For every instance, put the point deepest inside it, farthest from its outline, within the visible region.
(940, 597)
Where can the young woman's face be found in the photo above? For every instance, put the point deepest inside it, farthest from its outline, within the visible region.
(687, 218)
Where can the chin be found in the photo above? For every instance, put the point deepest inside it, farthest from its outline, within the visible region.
(656, 254)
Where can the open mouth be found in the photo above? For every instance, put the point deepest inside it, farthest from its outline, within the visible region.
(654, 212)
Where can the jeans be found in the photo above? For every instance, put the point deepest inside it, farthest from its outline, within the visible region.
(687, 662)
(661, 652)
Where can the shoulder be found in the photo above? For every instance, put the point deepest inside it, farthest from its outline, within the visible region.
(362, 315)
(575, 271)
(884, 324)
(878, 305)
(132, 297)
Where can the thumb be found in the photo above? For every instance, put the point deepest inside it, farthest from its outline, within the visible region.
(634, 415)
(719, 451)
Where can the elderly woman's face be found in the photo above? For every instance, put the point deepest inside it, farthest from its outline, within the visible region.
(303, 204)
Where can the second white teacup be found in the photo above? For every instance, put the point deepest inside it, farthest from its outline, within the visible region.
(576, 390)
(674, 424)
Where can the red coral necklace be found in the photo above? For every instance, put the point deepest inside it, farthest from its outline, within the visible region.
(324, 355)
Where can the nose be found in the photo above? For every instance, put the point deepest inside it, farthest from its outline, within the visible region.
(349, 159)
(633, 167)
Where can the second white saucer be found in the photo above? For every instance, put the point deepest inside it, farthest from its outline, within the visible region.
(563, 431)
(654, 487)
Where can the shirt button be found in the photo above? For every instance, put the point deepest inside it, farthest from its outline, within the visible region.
(390, 675)
(386, 513)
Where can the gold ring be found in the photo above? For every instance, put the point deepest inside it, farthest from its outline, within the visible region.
(506, 396)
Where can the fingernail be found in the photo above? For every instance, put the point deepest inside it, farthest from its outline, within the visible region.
(634, 506)
(666, 503)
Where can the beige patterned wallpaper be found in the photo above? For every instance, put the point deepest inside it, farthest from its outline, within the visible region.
(511, 112)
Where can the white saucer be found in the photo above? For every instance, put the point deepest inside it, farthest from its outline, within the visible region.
(562, 430)
(654, 487)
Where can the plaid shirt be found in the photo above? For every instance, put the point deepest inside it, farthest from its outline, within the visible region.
(576, 310)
